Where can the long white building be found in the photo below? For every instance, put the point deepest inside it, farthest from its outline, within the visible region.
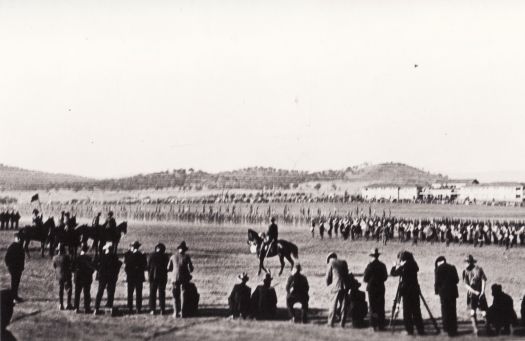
(493, 192)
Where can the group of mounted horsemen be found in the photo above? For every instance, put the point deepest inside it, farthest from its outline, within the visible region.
(69, 234)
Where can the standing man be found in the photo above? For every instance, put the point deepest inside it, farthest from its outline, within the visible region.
(158, 276)
(375, 276)
(475, 282)
(83, 269)
(446, 286)
(108, 269)
(135, 265)
(63, 265)
(297, 292)
(409, 290)
(180, 264)
(336, 279)
(15, 261)
(16, 220)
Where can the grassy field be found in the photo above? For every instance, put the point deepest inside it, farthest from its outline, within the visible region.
(219, 254)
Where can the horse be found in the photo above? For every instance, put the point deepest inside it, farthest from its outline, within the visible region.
(283, 249)
(94, 233)
(66, 236)
(113, 235)
(36, 233)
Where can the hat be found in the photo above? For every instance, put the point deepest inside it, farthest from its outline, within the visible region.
(182, 246)
(136, 244)
(160, 246)
(330, 255)
(375, 253)
(243, 277)
(470, 259)
(268, 277)
(107, 246)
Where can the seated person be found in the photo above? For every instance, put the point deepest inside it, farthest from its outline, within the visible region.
(501, 314)
(239, 300)
(357, 306)
(297, 292)
(264, 300)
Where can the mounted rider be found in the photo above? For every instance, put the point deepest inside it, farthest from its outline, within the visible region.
(96, 221)
(37, 218)
(270, 239)
(110, 222)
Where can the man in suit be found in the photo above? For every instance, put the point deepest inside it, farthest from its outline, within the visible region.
(63, 266)
(297, 289)
(158, 277)
(108, 269)
(336, 279)
(15, 261)
(181, 266)
(375, 276)
(264, 300)
(409, 290)
(135, 265)
(446, 286)
(239, 299)
(83, 268)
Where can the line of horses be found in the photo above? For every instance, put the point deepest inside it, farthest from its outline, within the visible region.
(70, 235)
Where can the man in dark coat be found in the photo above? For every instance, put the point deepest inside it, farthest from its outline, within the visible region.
(110, 222)
(337, 281)
(375, 276)
(2, 219)
(446, 286)
(15, 261)
(297, 289)
(239, 299)
(63, 265)
(501, 314)
(181, 266)
(108, 269)
(271, 236)
(158, 277)
(83, 268)
(409, 290)
(264, 300)
(135, 265)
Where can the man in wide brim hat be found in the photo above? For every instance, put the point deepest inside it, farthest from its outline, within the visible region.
(243, 277)
(470, 259)
(375, 253)
(330, 256)
(136, 244)
(182, 246)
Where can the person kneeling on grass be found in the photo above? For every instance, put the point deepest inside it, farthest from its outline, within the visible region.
(357, 307)
(264, 300)
(297, 292)
(501, 314)
(239, 300)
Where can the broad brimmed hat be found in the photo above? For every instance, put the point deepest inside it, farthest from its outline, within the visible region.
(243, 277)
(470, 259)
(330, 256)
(136, 244)
(160, 246)
(182, 246)
(375, 253)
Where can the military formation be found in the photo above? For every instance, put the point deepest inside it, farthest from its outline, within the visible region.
(74, 277)
(9, 219)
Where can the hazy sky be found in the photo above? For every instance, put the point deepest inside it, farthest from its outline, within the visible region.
(110, 88)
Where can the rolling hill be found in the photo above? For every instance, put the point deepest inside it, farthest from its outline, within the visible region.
(246, 178)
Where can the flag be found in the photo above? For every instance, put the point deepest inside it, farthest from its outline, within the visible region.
(35, 198)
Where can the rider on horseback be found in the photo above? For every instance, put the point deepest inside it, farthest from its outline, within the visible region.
(96, 220)
(271, 236)
(110, 222)
(37, 218)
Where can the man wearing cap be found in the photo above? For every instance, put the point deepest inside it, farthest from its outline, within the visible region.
(375, 276)
(239, 299)
(158, 277)
(63, 266)
(15, 261)
(181, 266)
(446, 286)
(108, 269)
(264, 300)
(406, 268)
(475, 281)
(83, 269)
(337, 281)
(297, 292)
(135, 265)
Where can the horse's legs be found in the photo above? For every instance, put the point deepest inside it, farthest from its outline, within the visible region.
(42, 245)
(261, 265)
(290, 259)
(281, 259)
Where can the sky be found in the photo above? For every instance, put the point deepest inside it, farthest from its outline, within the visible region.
(114, 88)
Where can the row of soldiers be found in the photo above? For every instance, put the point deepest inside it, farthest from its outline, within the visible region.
(475, 232)
(9, 219)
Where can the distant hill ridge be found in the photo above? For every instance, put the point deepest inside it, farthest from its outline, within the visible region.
(246, 178)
